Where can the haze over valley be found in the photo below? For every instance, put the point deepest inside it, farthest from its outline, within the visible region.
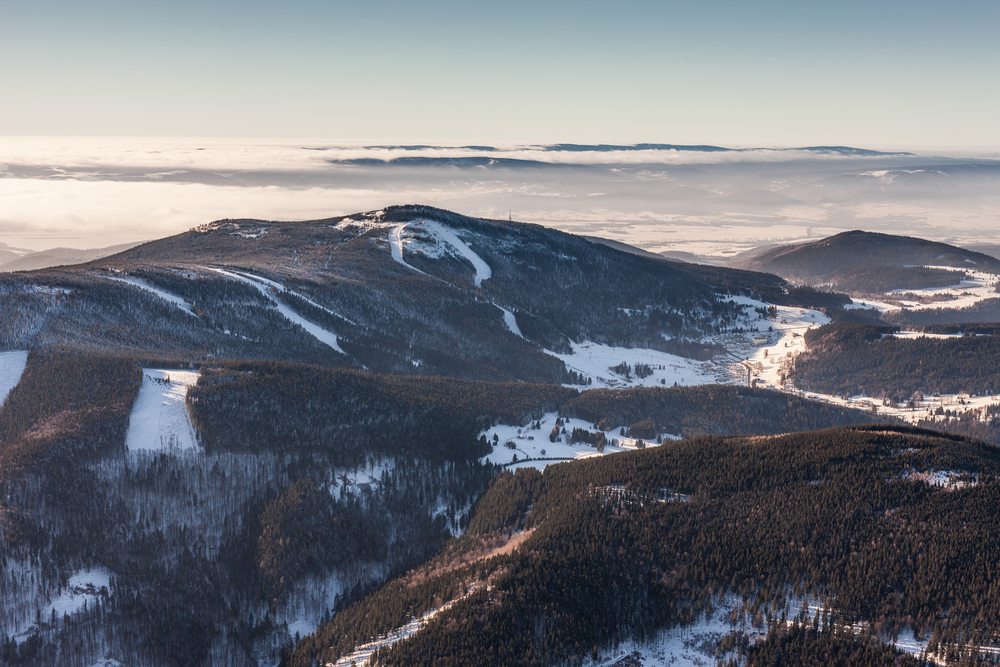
(700, 203)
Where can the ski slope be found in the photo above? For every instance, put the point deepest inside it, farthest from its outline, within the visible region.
(396, 243)
(281, 288)
(441, 235)
(319, 333)
(12, 366)
(163, 294)
(511, 322)
(159, 418)
(446, 234)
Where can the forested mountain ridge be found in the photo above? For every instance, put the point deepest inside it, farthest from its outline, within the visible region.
(868, 523)
(310, 487)
(838, 258)
(404, 290)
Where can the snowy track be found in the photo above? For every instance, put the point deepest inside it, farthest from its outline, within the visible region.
(265, 288)
(163, 294)
(361, 654)
(511, 322)
(483, 270)
(396, 242)
(11, 368)
(160, 418)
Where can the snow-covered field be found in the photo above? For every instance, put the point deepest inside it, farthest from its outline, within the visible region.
(163, 294)
(160, 418)
(979, 287)
(265, 287)
(533, 444)
(12, 366)
(595, 361)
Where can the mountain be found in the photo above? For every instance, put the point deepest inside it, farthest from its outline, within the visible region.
(8, 253)
(830, 547)
(300, 490)
(405, 290)
(292, 443)
(818, 262)
(28, 261)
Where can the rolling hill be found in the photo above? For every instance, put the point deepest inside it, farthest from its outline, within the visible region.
(405, 290)
(821, 261)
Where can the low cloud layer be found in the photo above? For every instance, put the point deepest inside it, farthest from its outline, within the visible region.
(98, 192)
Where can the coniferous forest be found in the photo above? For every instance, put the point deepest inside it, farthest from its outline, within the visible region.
(344, 381)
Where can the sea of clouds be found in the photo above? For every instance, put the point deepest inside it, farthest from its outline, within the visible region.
(709, 201)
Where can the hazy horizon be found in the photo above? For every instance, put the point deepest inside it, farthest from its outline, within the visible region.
(710, 201)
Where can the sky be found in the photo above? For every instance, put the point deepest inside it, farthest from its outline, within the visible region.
(878, 74)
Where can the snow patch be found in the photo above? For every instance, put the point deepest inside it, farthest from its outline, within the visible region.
(362, 653)
(946, 479)
(528, 444)
(396, 243)
(12, 366)
(160, 418)
(83, 589)
(595, 361)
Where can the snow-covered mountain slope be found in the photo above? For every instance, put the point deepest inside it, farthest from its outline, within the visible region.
(404, 290)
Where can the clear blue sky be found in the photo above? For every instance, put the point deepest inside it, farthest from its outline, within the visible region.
(873, 73)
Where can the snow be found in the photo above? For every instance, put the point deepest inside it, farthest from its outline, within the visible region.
(12, 366)
(160, 418)
(396, 243)
(786, 341)
(440, 234)
(281, 288)
(947, 479)
(314, 330)
(362, 653)
(163, 294)
(483, 270)
(510, 321)
(696, 645)
(978, 287)
(691, 646)
(529, 451)
(595, 361)
(84, 587)
(911, 335)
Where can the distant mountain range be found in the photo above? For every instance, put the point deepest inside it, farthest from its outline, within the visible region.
(17, 259)
(817, 261)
